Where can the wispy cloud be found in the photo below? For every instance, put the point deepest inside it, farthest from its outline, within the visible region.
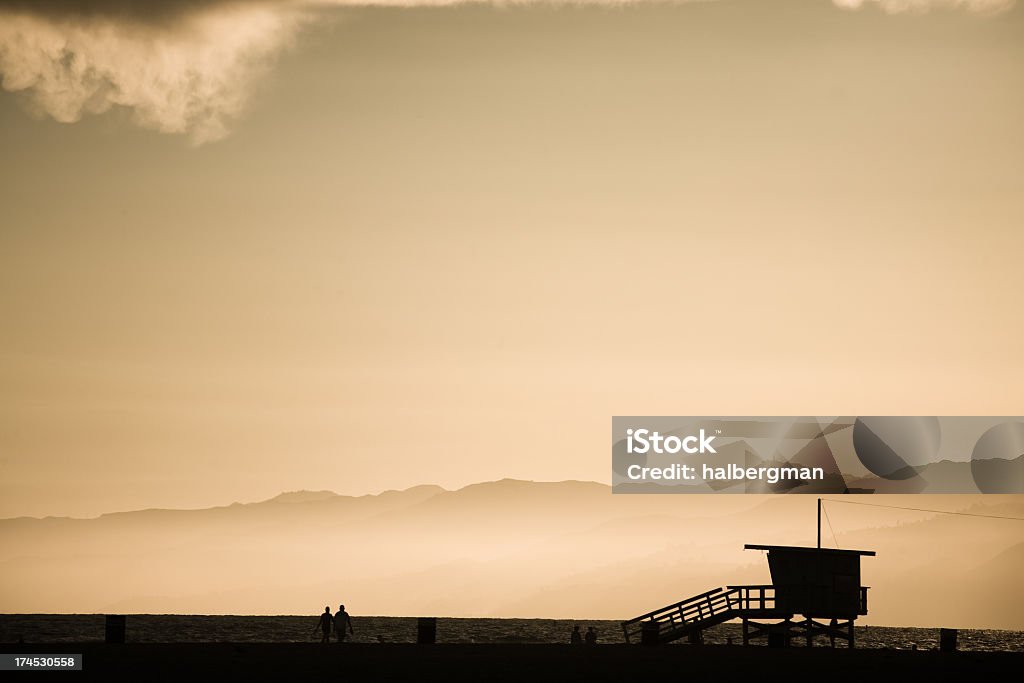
(189, 66)
(900, 6)
(179, 69)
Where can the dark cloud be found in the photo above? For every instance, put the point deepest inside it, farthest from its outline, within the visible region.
(134, 10)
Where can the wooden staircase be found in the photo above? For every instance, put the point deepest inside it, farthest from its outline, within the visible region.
(690, 617)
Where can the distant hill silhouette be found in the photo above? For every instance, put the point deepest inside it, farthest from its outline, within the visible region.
(945, 476)
(302, 496)
(505, 548)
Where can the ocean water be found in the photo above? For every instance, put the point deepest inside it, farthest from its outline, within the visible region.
(156, 628)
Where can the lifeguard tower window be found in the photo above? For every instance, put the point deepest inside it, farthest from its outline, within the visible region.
(816, 582)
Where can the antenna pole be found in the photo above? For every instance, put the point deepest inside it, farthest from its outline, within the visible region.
(819, 524)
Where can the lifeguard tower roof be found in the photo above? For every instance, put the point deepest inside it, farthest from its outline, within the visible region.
(797, 548)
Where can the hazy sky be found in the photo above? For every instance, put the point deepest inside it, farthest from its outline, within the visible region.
(310, 247)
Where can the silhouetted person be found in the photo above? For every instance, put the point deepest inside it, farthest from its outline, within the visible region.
(832, 625)
(591, 636)
(326, 620)
(341, 620)
(577, 637)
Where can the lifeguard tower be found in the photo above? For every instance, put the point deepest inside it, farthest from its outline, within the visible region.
(814, 591)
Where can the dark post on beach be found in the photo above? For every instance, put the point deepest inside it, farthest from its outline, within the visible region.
(115, 628)
(778, 636)
(947, 639)
(426, 630)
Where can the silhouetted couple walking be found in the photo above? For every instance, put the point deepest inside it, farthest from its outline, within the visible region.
(578, 638)
(340, 621)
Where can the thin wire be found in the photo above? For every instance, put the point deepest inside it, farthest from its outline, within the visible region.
(941, 512)
(834, 539)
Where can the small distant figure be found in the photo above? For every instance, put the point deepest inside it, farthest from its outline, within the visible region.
(577, 637)
(342, 621)
(832, 625)
(326, 620)
(591, 636)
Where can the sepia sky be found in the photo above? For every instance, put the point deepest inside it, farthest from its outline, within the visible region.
(265, 246)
